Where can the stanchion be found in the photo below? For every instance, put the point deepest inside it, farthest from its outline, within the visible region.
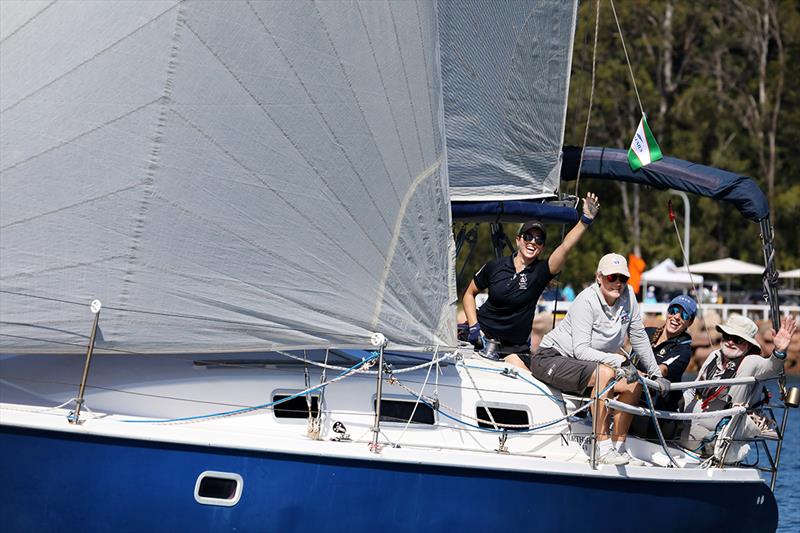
(380, 341)
(791, 399)
(75, 416)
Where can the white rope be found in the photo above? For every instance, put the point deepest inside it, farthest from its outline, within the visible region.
(372, 372)
(535, 427)
(416, 404)
(634, 410)
(247, 410)
(480, 397)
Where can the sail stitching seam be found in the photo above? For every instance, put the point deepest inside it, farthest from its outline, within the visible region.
(85, 62)
(358, 103)
(324, 119)
(80, 135)
(280, 128)
(33, 17)
(148, 183)
(383, 86)
(255, 175)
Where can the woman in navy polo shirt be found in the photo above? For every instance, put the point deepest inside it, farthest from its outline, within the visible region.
(672, 345)
(515, 284)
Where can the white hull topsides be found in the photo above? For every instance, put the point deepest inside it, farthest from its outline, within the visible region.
(126, 399)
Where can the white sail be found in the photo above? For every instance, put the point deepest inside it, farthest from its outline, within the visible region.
(505, 66)
(224, 176)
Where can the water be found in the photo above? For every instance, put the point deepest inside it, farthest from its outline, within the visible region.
(786, 489)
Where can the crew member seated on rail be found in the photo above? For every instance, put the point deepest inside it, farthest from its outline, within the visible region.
(588, 339)
(739, 356)
(672, 346)
(502, 326)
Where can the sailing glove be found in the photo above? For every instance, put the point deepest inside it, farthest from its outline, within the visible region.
(663, 384)
(628, 372)
(474, 333)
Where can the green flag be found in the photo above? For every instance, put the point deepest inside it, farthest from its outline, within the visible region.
(644, 148)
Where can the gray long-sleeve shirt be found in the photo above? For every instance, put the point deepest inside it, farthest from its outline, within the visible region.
(595, 331)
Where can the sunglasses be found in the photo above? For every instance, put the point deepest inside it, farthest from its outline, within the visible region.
(611, 278)
(675, 309)
(528, 237)
(733, 338)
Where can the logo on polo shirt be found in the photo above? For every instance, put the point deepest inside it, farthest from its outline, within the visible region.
(523, 281)
(625, 317)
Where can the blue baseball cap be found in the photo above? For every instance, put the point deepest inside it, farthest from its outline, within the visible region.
(686, 302)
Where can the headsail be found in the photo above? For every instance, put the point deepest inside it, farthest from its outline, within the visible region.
(505, 67)
(224, 176)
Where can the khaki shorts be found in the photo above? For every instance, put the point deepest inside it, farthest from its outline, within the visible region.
(565, 373)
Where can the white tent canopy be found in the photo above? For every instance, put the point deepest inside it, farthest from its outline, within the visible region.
(727, 266)
(666, 274)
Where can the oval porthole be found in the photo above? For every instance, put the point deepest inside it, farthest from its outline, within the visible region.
(218, 488)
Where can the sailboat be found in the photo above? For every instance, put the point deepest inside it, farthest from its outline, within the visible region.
(227, 291)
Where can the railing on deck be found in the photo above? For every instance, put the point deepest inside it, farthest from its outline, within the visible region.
(754, 311)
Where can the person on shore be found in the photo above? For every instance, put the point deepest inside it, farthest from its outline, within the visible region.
(582, 352)
(502, 326)
(739, 356)
(672, 345)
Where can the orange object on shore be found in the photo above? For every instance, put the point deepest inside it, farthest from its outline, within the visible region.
(636, 266)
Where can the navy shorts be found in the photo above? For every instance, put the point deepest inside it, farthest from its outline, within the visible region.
(565, 373)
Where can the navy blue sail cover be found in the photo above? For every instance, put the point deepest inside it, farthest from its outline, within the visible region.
(669, 173)
(513, 211)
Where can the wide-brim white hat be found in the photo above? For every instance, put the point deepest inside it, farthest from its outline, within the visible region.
(742, 327)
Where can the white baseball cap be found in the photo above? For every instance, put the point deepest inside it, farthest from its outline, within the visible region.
(613, 264)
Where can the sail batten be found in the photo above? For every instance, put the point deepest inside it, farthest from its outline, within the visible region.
(224, 176)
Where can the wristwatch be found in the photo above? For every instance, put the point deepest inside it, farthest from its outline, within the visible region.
(779, 354)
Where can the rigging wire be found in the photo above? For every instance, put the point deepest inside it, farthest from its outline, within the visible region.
(186, 419)
(627, 59)
(673, 219)
(591, 100)
(396, 444)
(522, 428)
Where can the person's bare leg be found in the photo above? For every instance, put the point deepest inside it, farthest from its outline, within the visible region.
(599, 410)
(515, 360)
(628, 393)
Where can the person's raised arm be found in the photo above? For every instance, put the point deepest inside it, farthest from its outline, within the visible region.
(559, 256)
(771, 366)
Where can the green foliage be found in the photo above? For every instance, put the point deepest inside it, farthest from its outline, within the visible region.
(706, 107)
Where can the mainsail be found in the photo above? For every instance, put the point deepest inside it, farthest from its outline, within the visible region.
(505, 67)
(223, 175)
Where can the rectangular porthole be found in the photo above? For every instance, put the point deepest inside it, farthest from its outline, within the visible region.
(502, 415)
(296, 407)
(400, 411)
(218, 488)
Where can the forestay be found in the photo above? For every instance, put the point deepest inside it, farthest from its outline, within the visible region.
(505, 67)
(224, 176)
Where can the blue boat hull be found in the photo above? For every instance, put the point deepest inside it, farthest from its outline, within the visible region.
(54, 481)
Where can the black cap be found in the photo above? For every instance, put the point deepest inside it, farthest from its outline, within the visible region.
(532, 224)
